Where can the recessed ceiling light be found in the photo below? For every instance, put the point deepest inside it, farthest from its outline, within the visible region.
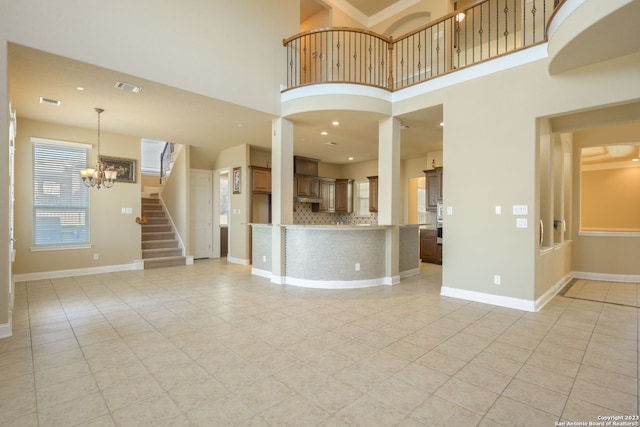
(404, 127)
(441, 123)
(49, 101)
(635, 160)
(335, 123)
(240, 125)
(324, 132)
(350, 158)
(80, 88)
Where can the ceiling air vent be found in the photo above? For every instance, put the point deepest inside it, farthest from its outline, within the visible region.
(49, 101)
(128, 87)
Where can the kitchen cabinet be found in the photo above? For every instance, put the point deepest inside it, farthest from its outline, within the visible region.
(344, 195)
(260, 179)
(305, 166)
(430, 250)
(433, 185)
(373, 193)
(327, 188)
(307, 187)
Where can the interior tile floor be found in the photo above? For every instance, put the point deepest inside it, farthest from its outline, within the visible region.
(611, 292)
(211, 345)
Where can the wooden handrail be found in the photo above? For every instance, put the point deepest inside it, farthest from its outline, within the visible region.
(485, 30)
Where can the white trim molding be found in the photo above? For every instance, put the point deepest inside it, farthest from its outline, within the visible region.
(43, 275)
(552, 292)
(261, 273)
(239, 261)
(342, 284)
(623, 278)
(5, 330)
(499, 300)
(409, 273)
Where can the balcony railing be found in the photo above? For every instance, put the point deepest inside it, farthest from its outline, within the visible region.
(486, 30)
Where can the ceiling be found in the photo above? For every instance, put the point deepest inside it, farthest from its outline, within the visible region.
(308, 8)
(208, 125)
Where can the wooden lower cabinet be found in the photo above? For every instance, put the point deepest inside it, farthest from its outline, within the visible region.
(430, 250)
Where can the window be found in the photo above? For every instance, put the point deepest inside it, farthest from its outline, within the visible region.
(362, 198)
(151, 151)
(60, 199)
(224, 198)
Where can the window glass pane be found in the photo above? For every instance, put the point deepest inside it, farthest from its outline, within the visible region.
(60, 199)
(224, 199)
(362, 198)
(150, 156)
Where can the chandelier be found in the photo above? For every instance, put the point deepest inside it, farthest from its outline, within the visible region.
(99, 176)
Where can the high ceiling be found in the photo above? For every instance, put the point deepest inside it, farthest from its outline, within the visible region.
(208, 125)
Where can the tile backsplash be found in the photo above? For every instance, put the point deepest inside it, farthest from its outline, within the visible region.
(302, 214)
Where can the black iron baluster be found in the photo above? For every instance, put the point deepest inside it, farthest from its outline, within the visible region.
(506, 26)
(515, 19)
(481, 31)
(533, 16)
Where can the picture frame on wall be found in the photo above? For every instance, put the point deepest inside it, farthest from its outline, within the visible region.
(126, 168)
(236, 180)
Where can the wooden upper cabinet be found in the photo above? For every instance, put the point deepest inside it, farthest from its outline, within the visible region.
(327, 187)
(307, 187)
(373, 193)
(260, 179)
(305, 166)
(344, 195)
(433, 185)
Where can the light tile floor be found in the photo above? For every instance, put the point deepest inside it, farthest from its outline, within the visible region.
(211, 345)
(611, 292)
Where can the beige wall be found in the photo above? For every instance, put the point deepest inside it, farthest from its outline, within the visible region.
(610, 200)
(175, 195)
(113, 235)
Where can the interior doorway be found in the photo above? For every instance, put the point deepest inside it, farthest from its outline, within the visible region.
(221, 203)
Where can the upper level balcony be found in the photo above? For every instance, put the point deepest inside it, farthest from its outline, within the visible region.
(486, 30)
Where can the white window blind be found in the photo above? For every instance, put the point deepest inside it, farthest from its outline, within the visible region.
(60, 199)
(362, 198)
(150, 156)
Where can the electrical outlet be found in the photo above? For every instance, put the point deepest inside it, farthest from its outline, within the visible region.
(96, 257)
(497, 280)
(357, 266)
(264, 258)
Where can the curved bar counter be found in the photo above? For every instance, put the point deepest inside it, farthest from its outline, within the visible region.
(337, 256)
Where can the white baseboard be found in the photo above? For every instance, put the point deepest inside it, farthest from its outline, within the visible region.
(239, 261)
(499, 300)
(625, 278)
(261, 273)
(43, 275)
(552, 292)
(341, 284)
(5, 330)
(409, 273)
(189, 259)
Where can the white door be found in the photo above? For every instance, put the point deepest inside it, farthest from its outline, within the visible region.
(201, 214)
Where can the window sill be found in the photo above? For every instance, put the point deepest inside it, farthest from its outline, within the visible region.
(59, 248)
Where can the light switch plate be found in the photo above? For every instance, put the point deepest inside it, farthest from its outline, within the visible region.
(449, 210)
(498, 210)
(520, 209)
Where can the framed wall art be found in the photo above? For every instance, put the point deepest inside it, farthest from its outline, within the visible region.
(126, 168)
(236, 180)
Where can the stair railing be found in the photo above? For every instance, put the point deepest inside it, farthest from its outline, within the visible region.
(142, 219)
(486, 30)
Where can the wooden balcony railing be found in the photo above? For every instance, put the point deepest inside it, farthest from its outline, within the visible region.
(483, 31)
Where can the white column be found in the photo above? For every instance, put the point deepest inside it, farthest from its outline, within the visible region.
(5, 256)
(281, 192)
(389, 171)
(389, 190)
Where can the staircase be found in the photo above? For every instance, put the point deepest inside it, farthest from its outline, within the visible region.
(160, 248)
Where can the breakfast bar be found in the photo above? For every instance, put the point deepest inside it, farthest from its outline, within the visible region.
(338, 256)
